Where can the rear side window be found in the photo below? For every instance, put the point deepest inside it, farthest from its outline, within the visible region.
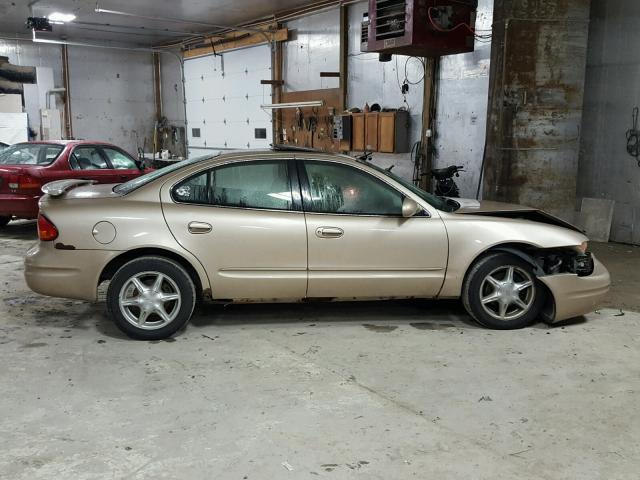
(260, 184)
(30, 154)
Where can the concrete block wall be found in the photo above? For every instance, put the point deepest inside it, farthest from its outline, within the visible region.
(112, 96)
(612, 90)
(461, 117)
(535, 111)
(111, 90)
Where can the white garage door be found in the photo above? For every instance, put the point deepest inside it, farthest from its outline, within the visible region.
(224, 95)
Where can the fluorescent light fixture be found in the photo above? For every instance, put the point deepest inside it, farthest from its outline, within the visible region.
(61, 17)
(274, 106)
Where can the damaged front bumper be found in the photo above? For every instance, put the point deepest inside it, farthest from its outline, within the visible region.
(575, 295)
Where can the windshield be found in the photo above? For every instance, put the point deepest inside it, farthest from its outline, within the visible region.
(30, 154)
(142, 180)
(441, 203)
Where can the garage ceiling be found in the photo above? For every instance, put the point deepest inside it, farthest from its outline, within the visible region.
(92, 26)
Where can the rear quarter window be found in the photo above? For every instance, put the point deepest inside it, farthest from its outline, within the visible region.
(30, 154)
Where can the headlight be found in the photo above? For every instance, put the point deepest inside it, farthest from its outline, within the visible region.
(583, 247)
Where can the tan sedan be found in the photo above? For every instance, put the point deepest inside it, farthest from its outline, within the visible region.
(290, 225)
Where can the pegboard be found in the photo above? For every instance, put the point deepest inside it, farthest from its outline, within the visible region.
(315, 128)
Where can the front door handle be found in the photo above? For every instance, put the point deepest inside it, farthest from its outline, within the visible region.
(199, 228)
(329, 232)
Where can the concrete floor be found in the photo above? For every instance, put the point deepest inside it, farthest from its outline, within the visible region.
(378, 391)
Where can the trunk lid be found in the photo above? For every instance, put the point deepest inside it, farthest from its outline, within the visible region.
(70, 189)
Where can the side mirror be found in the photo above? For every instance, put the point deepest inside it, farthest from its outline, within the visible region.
(409, 207)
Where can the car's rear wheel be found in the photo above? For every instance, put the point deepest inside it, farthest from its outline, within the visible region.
(4, 221)
(502, 292)
(151, 298)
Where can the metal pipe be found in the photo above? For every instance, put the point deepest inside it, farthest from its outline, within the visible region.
(146, 30)
(68, 124)
(157, 84)
(175, 20)
(53, 91)
(273, 106)
(34, 39)
(184, 104)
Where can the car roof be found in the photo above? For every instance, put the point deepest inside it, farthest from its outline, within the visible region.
(67, 142)
(280, 152)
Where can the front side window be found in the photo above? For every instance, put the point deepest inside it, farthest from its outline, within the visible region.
(88, 158)
(260, 184)
(30, 154)
(337, 188)
(119, 160)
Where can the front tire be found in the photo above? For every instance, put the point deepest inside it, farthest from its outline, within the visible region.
(502, 292)
(151, 298)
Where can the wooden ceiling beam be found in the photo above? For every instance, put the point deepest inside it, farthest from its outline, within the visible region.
(234, 40)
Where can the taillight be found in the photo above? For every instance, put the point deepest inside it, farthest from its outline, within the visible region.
(22, 181)
(47, 231)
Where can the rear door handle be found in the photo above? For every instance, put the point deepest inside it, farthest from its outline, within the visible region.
(199, 228)
(329, 232)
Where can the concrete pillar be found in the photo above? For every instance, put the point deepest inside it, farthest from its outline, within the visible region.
(536, 90)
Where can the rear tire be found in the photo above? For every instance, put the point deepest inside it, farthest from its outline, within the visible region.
(4, 221)
(151, 298)
(502, 292)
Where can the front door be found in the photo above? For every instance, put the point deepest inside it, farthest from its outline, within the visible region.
(243, 221)
(124, 167)
(360, 246)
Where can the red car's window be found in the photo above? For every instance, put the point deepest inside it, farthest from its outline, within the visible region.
(119, 160)
(30, 154)
(87, 158)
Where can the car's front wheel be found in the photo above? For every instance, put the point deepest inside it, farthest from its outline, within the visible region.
(4, 221)
(151, 298)
(502, 292)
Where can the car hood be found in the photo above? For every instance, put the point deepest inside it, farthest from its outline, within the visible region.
(468, 205)
(510, 210)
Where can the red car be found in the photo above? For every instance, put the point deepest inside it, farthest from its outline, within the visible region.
(25, 167)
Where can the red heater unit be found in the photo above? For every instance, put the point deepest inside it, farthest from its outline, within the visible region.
(422, 28)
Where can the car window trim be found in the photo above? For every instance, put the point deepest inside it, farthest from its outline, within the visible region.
(296, 206)
(306, 191)
(105, 157)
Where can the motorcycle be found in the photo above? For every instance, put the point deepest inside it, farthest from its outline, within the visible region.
(445, 185)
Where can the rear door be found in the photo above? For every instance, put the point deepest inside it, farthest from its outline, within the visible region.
(243, 221)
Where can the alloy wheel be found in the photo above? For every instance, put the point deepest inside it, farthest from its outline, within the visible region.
(507, 293)
(149, 300)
